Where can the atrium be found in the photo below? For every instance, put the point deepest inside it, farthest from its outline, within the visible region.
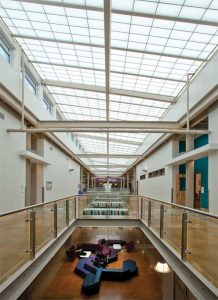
(108, 122)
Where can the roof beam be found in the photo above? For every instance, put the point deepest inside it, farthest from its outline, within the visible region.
(102, 70)
(142, 95)
(108, 124)
(115, 111)
(111, 166)
(168, 18)
(124, 12)
(102, 46)
(101, 89)
(120, 130)
(107, 42)
(102, 100)
(100, 155)
(114, 140)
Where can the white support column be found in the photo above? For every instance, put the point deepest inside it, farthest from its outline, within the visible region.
(127, 180)
(134, 181)
(175, 168)
(88, 181)
(81, 178)
(213, 162)
(189, 174)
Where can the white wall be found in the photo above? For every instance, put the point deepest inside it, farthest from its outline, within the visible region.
(213, 162)
(64, 182)
(12, 166)
(157, 187)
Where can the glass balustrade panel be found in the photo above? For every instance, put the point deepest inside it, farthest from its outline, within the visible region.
(61, 215)
(14, 243)
(144, 210)
(133, 207)
(44, 225)
(155, 216)
(202, 244)
(72, 208)
(172, 231)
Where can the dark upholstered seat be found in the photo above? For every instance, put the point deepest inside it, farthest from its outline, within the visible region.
(91, 283)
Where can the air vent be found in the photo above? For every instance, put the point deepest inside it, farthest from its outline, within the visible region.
(2, 116)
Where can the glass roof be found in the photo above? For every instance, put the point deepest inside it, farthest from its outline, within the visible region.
(154, 45)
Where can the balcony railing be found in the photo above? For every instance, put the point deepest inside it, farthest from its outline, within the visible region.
(192, 235)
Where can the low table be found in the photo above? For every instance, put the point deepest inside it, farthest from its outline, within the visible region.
(117, 247)
(87, 254)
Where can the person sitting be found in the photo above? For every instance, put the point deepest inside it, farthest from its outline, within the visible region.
(100, 260)
(71, 253)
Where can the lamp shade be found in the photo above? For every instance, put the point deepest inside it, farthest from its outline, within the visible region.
(162, 267)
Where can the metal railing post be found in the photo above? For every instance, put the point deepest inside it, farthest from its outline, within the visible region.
(43, 194)
(55, 210)
(184, 236)
(149, 213)
(161, 221)
(74, 200)
(67, 213)
(32, 234)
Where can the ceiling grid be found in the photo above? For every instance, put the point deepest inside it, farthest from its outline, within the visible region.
(103, 60)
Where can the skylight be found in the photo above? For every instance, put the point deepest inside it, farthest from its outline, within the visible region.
(154, 44)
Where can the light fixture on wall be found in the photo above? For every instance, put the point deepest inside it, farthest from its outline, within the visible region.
(71, 169)
(145, 169)
(162, 267)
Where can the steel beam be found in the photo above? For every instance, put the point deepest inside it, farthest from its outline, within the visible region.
(165, 17)
(123, 12)
(102, 109)
(107, 42)
(103, 100)
(103, 70)
(101, 89)
(108, 124)
(112, 48)
(111, 166)
(101, 138)
(136, 94)
(122, 130)
(100, 155)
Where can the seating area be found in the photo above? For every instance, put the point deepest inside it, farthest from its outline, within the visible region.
(105, 250)
(93, 275)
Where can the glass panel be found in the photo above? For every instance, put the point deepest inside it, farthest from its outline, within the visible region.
(155, 216)
(173, 226)
(44, 225)
(133, 206)
(14, 242)
(202, 244)
(61, 215)
(72, 208)
(145, 210)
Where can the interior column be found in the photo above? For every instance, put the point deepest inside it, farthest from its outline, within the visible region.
(189, 173)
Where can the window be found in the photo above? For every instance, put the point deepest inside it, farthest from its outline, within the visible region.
(142, 177)
(5, 51)
(30, 82)
(47, 104)
(160, 172)
(58, 116)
